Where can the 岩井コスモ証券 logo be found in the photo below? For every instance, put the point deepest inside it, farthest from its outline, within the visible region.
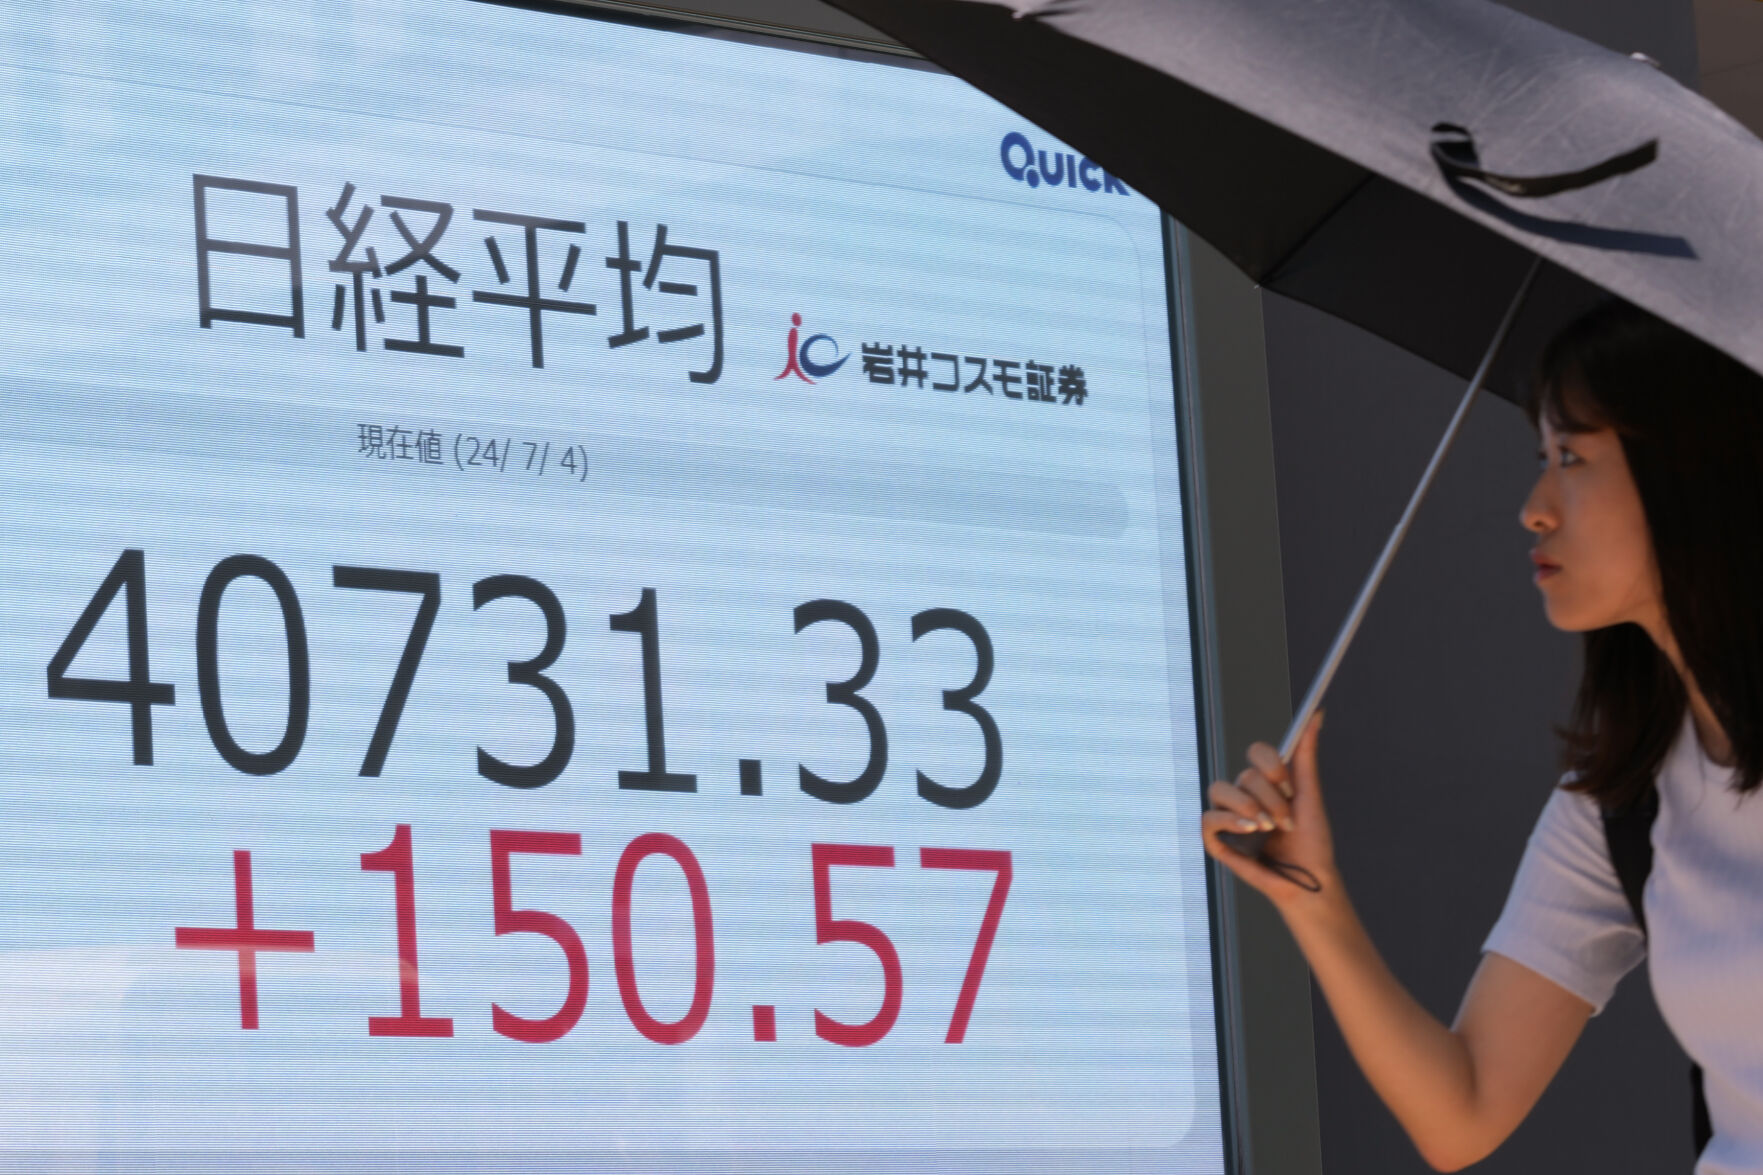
(802, 363)
(1026, 165)
(905, 365)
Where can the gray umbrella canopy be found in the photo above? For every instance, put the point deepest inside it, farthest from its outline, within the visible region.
(1296, 137)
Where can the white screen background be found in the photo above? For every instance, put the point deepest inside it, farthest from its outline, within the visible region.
(866, 197)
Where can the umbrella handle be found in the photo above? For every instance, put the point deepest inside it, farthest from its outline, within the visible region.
(1250, 843)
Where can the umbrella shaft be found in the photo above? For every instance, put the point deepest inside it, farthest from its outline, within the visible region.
(1350, 627)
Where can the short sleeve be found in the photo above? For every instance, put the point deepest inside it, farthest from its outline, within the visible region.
(1566, 917)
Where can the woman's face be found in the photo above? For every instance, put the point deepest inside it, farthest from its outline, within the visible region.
(1593, 555)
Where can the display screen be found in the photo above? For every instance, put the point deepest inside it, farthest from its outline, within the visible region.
(581, 596)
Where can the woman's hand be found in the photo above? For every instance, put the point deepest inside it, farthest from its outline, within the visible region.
(1285, 802)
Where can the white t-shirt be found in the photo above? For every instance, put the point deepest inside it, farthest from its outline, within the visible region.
(1566, 919)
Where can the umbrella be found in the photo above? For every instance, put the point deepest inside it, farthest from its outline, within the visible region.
(1448, 174)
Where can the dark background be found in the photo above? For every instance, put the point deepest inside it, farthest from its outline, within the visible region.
(1438, 753)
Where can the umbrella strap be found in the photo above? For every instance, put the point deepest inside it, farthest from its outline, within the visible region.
(1453, 149)
(1293, 872)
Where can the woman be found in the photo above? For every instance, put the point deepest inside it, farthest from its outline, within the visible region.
(1648, 525)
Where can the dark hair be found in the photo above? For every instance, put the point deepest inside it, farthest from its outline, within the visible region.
(1690, 419)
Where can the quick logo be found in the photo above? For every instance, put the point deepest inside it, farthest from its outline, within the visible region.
(1026, 165)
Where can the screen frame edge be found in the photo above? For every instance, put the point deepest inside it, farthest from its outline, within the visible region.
(1266, 1039)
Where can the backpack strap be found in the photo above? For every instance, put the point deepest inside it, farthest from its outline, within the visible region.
(1628, 832)
(1700, 1124)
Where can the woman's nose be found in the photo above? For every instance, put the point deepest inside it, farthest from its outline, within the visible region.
(1537, 513)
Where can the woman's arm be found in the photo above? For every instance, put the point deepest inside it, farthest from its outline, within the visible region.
(1458, 1091)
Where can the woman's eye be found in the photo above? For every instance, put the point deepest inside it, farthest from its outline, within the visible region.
(1569, 457)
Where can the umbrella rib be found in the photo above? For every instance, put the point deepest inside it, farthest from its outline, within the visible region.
(1297, 246)
(1350, 627)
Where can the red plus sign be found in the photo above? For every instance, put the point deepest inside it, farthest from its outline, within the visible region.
(244, 938)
